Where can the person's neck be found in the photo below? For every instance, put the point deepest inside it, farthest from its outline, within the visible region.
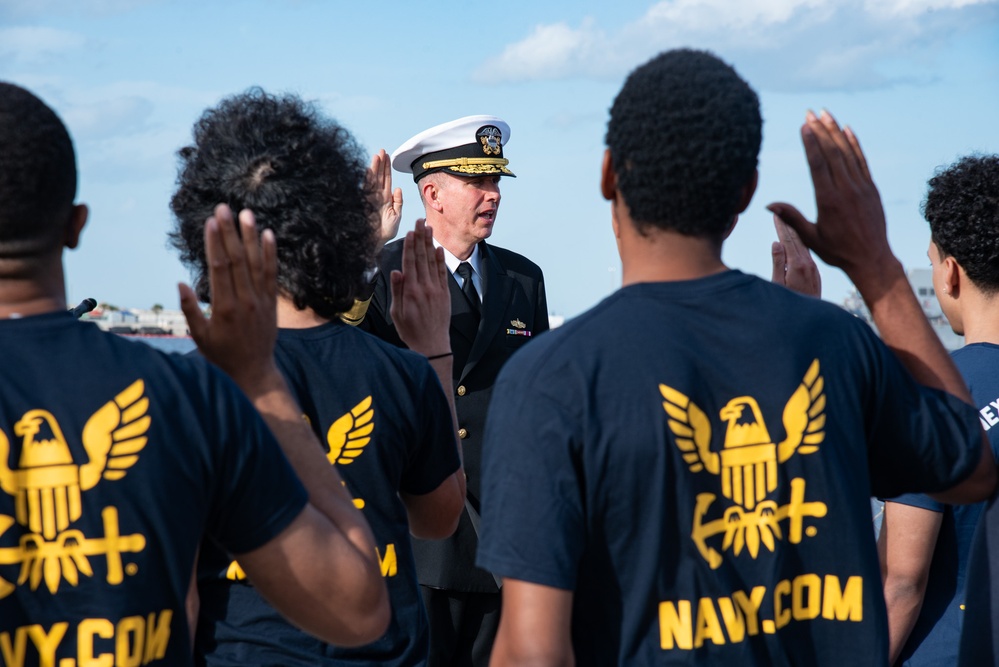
(25, 293)
(665, 256)
(980, 316)
(290, 317)
(460, 248)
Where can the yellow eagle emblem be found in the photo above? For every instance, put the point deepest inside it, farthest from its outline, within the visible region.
(748, 460)
(47, 486)
(350, 434)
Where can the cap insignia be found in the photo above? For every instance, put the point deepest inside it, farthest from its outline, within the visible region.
(491, 139)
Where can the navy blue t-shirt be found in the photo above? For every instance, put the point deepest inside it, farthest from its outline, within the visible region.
(114, 460)
(385, 423)
(935, 637)
(980, 629)
(694, 460)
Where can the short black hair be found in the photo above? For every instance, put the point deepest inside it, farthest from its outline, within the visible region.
(301, 174)
(962, 207)
(37, 174)
(684, 136)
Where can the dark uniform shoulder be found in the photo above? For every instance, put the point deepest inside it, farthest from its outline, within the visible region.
(390, 256)
(511, 260)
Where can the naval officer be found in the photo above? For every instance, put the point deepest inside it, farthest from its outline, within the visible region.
(497, 305)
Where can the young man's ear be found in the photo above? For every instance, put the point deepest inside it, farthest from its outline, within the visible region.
(608, 179)
(74, 226)
(951, 276)
(731, 227)
(746, 194)
(608, 188)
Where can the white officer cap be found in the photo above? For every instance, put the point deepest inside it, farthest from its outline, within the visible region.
(469, 146)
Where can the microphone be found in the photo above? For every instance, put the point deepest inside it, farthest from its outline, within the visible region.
(85, 306)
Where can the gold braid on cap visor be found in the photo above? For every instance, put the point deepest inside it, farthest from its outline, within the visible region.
(471, 165)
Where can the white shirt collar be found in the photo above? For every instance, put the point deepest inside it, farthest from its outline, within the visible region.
(475, 259)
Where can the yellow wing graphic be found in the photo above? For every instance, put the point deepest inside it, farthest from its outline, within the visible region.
(349, 435)
(114, 436)
(804, 416)
(691, 429)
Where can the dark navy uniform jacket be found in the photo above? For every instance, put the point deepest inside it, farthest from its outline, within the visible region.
(514, 312)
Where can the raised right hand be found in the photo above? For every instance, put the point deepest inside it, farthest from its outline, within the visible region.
(421, 301)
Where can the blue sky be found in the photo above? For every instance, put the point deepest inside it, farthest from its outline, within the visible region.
(918, 80)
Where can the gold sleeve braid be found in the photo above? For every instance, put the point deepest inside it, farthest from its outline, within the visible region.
(356, 314)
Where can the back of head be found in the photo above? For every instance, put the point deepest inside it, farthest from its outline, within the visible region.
(962, 207)
(37, 175)
(684, 136)
(301, 174)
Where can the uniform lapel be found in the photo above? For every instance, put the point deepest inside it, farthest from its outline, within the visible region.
(496, 287)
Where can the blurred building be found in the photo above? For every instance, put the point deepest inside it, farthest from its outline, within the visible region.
(921, 281)
(151, 322)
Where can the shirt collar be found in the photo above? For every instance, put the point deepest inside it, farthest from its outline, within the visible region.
(475, 259)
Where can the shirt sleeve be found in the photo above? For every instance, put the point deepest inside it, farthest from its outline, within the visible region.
(919, 500)
(921, 439)
(533, 520)
(435, 456)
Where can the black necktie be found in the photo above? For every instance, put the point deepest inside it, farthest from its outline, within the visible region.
(467, 287)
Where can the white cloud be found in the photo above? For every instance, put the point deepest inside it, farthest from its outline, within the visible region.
(28, 45)
(552, 51)
(714, 15)
(787, 44)
(899, 8)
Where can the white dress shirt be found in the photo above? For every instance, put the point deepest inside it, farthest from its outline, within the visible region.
(475, 260)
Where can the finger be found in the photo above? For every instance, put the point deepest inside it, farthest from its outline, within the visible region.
(233, 246)
(219, 273)
(421, 233)
(779, 263)
(269, 266)
(842, 146)
(251, 248)
(858, 152)
(196, 322)
(397, 200)
(789, 239)
(386, 173)
(376, 176)
(420, 243)
(442, 270)
(370, 176)
(409, 254)
(818, 161)
(397, 284)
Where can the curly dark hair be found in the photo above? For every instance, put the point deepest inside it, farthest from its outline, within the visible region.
(684, 136)
(37, 174)
(301, 174)
(962, 207)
